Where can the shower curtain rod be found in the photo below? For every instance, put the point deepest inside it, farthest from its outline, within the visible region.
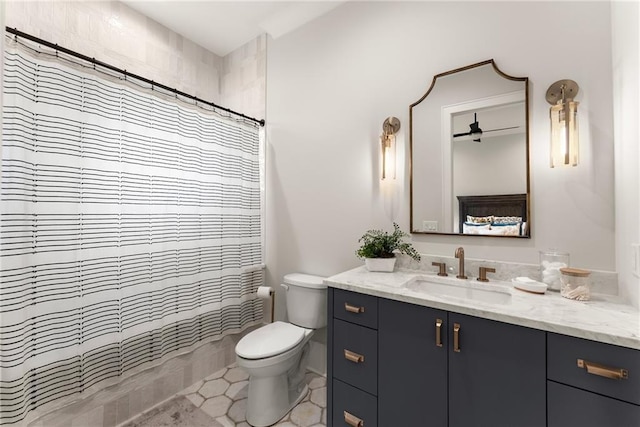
(55, 46)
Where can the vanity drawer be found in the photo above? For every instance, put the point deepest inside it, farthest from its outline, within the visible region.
(572, 407)
(355, 355)
(599, 363)
(356, 308)
(357, 405)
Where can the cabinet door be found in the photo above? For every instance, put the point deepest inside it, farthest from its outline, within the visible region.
(412, 369)
(572, 407)
(498, 376)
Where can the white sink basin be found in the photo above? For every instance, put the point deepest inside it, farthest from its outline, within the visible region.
(467, 290)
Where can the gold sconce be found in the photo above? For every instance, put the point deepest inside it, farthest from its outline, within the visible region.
(390, 127)
(565, 146)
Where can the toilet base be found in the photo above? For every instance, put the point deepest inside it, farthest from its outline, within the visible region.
(268, 411)
(271, 397)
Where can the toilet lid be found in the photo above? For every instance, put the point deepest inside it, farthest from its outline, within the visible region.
(269, 340)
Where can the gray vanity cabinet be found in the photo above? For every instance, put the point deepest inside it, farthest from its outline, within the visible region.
(395, 364)
(492, 374)
(497, 378)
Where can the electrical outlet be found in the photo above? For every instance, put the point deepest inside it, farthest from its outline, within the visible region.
(429, 225)
(635, 250)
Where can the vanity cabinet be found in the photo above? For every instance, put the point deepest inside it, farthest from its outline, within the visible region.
(428, 373)
(438, 368)
(591, 383)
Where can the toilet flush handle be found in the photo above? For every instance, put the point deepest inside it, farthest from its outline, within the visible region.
(286, 287)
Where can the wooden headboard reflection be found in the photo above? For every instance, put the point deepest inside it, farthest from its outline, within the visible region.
(497, 205)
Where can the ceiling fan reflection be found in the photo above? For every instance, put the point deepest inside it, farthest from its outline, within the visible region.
(476, 132)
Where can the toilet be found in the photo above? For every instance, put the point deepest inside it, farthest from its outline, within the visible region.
(275, 355)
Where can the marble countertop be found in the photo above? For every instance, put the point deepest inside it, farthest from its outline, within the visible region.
(604, 318)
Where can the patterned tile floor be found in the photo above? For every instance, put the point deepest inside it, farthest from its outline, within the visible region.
(223, 395)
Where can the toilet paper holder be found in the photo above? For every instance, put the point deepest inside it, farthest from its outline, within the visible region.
(267, 292)
(272, 297)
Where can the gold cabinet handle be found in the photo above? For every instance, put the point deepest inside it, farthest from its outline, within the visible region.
(456, 337)
(603, 371)
(352, 420)
(439, 332)
(353, 357)
(353, 309)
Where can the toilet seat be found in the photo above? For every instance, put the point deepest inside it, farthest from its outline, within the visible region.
(270, 340)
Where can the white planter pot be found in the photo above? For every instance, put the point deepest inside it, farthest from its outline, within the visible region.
(380, 264)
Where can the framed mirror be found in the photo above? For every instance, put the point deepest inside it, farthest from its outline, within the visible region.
(469, 148)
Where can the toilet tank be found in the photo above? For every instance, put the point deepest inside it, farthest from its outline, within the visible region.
(306, 300)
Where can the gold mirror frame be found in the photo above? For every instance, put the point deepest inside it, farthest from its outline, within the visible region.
(525, 198)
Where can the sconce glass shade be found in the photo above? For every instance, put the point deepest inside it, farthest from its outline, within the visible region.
(390, 127)
(388, 156)
(565, 147)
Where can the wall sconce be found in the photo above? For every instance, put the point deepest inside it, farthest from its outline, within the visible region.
(390, 127)
(565, 147)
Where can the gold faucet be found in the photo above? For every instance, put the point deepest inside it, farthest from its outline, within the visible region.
(460, 255)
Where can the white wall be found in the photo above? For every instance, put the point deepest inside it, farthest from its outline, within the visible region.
(331, 83)
(626, 91)
(494, 161)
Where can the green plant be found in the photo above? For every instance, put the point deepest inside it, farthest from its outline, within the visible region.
(381, 244)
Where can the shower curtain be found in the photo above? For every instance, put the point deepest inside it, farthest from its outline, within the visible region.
(131, 228)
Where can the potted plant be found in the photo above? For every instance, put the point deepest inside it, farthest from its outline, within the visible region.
(379, 247)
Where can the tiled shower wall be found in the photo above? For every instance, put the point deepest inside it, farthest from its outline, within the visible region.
(243, 78)
(112, 32)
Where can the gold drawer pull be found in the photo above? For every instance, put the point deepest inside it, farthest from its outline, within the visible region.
(353, 357)
(603, 371)
(353, 309)
(438, 332)
(456, 337)
(352, 420)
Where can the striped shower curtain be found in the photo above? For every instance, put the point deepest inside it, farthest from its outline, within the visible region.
(131, 228)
